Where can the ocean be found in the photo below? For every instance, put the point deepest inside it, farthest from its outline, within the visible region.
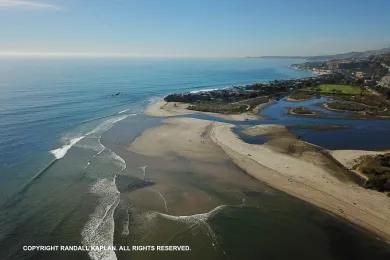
(63, 126)
(46, 105)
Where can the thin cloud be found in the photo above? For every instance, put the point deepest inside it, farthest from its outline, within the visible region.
(26, 4)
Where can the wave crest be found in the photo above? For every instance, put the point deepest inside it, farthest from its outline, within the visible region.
(99, 229)
(61, 152)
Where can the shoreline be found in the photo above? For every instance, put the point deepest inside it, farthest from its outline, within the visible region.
(358, 115)
(290, 99)
(320, 185)
(291, 111)
(366, 208)
(161, 108)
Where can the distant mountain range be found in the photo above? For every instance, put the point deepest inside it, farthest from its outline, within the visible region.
(348, 55)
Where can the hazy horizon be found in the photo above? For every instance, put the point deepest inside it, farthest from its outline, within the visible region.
(233, 28)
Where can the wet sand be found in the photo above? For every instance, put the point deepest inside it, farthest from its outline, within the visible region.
(306, 178)
(185, 167)
(301, 169)
(182, 187)
(177, 180)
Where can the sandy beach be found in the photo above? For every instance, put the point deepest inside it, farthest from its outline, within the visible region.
(306, 179)
(162, 108)
(185, 165)
(175, 137)
(300, 169)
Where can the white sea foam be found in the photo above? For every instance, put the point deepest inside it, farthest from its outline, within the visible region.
(196, 220)
(61, 152)
(99, 229)
(103, 127)
(91, 143)
(107, 125)
(118, 160)
(101, 146)
(124, 111)
(203, 90)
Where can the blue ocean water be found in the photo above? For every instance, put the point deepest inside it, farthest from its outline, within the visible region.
(50, 108)
(44, 103)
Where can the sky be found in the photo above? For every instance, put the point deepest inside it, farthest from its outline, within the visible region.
(186, 28)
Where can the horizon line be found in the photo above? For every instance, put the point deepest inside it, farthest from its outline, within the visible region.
(80, 54)
(32, 54)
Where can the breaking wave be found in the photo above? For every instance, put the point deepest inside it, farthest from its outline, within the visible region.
(103, 127)
(99, 229)
(61, 152)
(203, 90)
(107, 125)
(196, 218)
(123, 111)
(193, 221)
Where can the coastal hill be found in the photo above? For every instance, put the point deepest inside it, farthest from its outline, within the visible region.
(348, 55)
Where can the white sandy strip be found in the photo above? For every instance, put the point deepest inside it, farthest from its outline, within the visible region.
(367, 208)
(349, 158)
(160, 108)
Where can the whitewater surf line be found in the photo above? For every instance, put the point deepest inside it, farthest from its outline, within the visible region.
(60, 153)
(124, 111)
(118, 159)
(99, 229)
(111, 115)
(63, 150)
(196, 220)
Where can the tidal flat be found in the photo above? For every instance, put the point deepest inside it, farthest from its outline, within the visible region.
(196, 195)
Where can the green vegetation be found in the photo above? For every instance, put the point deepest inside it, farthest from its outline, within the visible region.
(301, 111)
(369, 100)
(377, 170)
(379, 113)
(253, 102)
(218, 107)
(223, 107)
(301, 95)
(364, 110)
(371, 105)
(341, 89)
(346, 106)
